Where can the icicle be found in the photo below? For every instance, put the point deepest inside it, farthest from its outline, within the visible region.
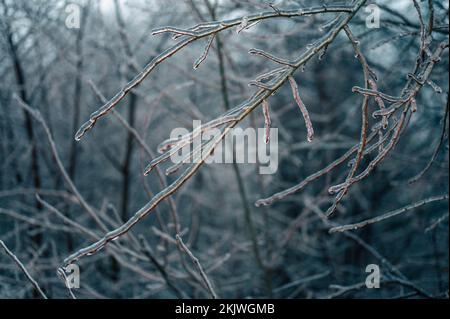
(322, 53)
(250, 25)
(204, 54)
(267, 121)
(83, 129)
(303, 109)
(435, 87)
(373, 74)
(243, 25)
(275, 8)
(413, 105)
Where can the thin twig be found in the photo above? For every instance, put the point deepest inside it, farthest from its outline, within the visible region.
(436, 150)
(436, 222)
(303, 109)
(388, 215)
(210, 29)
(241, 112)
(267, 121)
(364, 122)
(37, 116)
(205, 52)
(271, 57)
(198, 265)
(24, 270)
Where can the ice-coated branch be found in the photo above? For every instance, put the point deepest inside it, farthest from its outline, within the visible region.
(379, 102)
(200, 31)
(297, 188)
(270, 74)
(437, 222)
(303, 109)
(436, 150)
(198, 265)
(267, 121)
(38, 117)
(205, 52)
(271, 57)
(141, 213)
(140, 140)
(388, 215)
(23, 269)
(375, 93)
(175, 31)
(364, 121)
(240, 112)
(412, 90)
(408, 92)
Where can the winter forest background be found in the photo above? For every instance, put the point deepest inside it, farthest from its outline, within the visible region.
(377, 98)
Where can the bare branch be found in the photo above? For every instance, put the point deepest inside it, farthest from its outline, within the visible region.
(301, 105)
(23, 269)
(198, 265)
(388, 215)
